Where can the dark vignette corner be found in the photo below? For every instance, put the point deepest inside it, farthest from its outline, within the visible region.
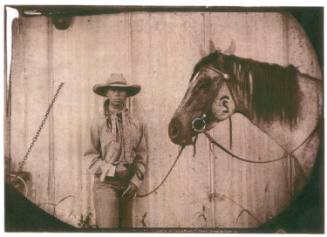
(304, 215)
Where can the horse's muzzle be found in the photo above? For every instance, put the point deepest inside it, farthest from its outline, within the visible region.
(174, 129)
(181, 131)
(178, 133)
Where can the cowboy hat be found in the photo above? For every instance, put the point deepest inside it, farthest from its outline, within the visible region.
(116, 80)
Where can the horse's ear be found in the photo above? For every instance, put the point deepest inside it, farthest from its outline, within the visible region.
(212, 47)
(220, 59)
(231, 49)
(202, 52)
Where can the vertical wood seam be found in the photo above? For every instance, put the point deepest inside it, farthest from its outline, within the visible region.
(212, 217)
(25, 89)
(286, 37)
(285, 26)
(51, 176)
(7, 130)
(130, 31)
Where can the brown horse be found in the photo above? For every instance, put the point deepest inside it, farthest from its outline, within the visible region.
(281, 101)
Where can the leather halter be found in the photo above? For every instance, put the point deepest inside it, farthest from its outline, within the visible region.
(199, 124)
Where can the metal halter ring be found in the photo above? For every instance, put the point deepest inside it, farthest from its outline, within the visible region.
(199, 124)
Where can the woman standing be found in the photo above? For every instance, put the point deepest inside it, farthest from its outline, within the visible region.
(117, 152)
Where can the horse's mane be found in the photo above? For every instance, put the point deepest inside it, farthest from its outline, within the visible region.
(275, 90)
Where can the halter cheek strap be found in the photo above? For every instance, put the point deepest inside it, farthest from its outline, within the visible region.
(199, 124)
(226, 78)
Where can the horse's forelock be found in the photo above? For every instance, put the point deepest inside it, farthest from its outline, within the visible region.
(211, 59)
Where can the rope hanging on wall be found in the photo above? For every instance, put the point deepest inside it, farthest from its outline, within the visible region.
(36, 136)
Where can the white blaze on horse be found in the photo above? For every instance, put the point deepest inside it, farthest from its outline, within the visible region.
(281, 101)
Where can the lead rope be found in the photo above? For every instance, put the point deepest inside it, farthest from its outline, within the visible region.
(284, 156)
(164, 179)
(212, 140)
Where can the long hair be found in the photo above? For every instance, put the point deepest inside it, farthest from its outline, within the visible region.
(270, 90)
(107, 113)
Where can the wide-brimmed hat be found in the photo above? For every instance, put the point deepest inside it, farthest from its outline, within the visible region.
(116, 80)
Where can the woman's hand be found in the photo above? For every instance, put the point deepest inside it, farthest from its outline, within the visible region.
(130, 191)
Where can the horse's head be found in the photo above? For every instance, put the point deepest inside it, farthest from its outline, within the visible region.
(207, 100)
(223, 84)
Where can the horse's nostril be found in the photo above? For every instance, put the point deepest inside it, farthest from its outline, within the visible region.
(173, 129)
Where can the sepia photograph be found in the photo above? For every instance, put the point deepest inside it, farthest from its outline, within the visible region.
(164, 119)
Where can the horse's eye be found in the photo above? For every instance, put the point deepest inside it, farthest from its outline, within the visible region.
(205, 84)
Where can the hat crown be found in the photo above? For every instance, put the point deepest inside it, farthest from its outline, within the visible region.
(114, 81)
(116, 78)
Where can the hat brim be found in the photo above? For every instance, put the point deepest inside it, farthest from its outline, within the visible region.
(130, 89)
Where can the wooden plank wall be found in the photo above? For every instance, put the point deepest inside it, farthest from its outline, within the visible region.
(158, 51)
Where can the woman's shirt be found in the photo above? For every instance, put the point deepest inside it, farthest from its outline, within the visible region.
(115, 138)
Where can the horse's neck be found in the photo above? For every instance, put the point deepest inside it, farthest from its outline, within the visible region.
(310, 110)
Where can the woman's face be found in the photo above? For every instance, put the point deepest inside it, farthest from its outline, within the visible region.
(117, 96)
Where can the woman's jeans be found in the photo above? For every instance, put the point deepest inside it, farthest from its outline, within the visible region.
(111, 210)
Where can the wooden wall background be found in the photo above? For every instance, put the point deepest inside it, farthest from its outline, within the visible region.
(157, 50)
